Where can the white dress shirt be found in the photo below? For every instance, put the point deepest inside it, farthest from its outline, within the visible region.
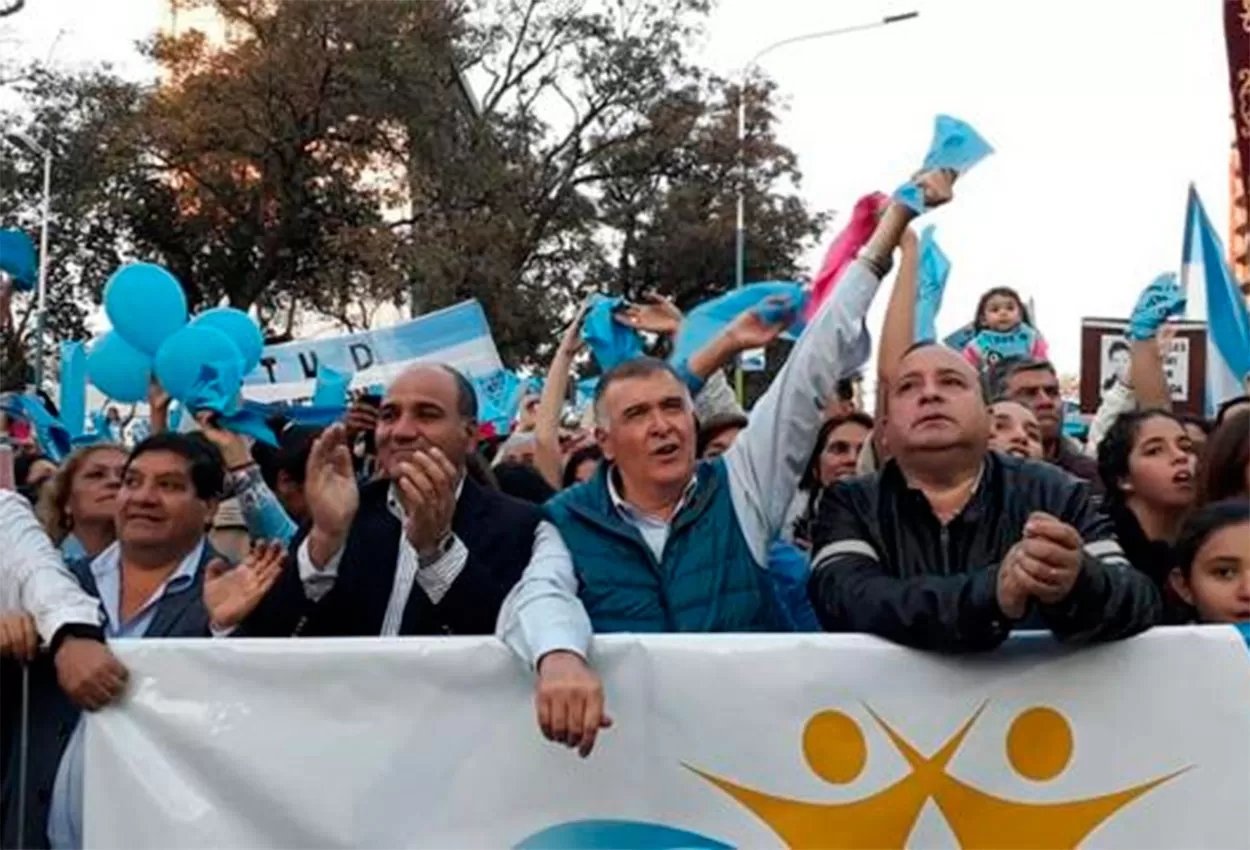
(33, 578)
(434, 579)
(764, 466)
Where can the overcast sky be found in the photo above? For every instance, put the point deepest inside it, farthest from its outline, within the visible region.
(1101, 113)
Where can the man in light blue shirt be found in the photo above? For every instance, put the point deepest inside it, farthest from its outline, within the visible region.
(149, 583)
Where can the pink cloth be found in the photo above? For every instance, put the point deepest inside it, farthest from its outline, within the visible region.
(843, 249)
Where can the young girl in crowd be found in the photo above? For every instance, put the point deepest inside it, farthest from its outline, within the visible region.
(1212, 571)
(1148, 467)
(835, 457)
(77, 509)
(1003, 329)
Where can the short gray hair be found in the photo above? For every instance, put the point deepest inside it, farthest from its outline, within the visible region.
(635, 367)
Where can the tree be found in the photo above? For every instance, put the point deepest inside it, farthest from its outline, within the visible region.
(330, 157)
(76, 117)
(677, 218)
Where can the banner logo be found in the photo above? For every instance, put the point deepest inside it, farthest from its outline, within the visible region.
(1039, 746)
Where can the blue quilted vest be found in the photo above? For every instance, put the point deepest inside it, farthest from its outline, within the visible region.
(706, 581)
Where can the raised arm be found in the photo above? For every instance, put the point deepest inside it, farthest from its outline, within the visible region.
(899, 328)
(767, 460)
(1158, 301)
(548, 459)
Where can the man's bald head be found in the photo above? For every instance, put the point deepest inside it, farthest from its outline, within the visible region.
(931, 351)
(936, 403)
(428, 406)
(466, 396)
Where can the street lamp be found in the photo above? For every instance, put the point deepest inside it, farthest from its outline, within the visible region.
(740, 234)
(40, 319)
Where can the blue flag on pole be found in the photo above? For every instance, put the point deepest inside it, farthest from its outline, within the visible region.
(1207, 280)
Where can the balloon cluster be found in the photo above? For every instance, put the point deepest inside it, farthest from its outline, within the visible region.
(200, 363)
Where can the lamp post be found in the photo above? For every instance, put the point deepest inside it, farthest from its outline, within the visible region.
(752, 63)
(45, 212)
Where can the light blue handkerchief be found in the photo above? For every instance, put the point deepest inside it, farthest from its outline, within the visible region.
(956, 145)
(703, 323)
(609, 340)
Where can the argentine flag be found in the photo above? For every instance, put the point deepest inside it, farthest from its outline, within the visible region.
(1209, 288)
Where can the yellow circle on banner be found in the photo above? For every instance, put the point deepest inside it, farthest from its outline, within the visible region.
(834, 747)
(1039, 744)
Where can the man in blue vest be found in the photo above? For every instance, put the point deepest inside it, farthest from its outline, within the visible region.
(663, 543)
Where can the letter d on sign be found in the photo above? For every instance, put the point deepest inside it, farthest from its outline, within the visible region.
(361, 356)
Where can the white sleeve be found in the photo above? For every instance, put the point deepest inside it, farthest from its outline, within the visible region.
(542, 613)
(317, 582)
(1116, 401)
(766, 461)
(33, 577)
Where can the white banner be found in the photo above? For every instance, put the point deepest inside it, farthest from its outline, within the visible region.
(739, 741)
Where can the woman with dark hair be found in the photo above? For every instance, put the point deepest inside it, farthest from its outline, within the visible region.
(1212, 572)
(1226, 462)
(1148, 467)
(581, 466)
(834, 457)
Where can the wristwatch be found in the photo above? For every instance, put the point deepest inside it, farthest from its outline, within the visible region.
(425, 559)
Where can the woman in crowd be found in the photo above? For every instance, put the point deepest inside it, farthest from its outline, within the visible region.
(1212, 572)
(1226, 463)
(77, 509)
(834, 457)
(1148, 467)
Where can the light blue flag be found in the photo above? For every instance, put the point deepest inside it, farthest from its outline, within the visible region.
(18, 259)
(498, 399)
(332, 386)
(931, 277)
(703, 323)
(53, 438)
(73, 396)
(1205, 272)
(956, 145)
(610, 341)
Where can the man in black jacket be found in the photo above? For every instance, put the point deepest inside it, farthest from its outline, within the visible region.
(424, 551)
(950, 546)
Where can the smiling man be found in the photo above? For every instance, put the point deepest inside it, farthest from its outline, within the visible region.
(147, 584)
(951, 546)
(423, 550)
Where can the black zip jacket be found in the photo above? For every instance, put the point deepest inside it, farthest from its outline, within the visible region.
(885, 565)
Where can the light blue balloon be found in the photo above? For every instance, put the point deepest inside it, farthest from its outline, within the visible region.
(146, 305)
(240, 328)
(180, 359)
(118, 370)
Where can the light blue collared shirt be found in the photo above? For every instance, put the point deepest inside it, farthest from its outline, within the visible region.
(65, 815)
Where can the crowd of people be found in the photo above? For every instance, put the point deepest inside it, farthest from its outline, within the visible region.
(954, 513)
